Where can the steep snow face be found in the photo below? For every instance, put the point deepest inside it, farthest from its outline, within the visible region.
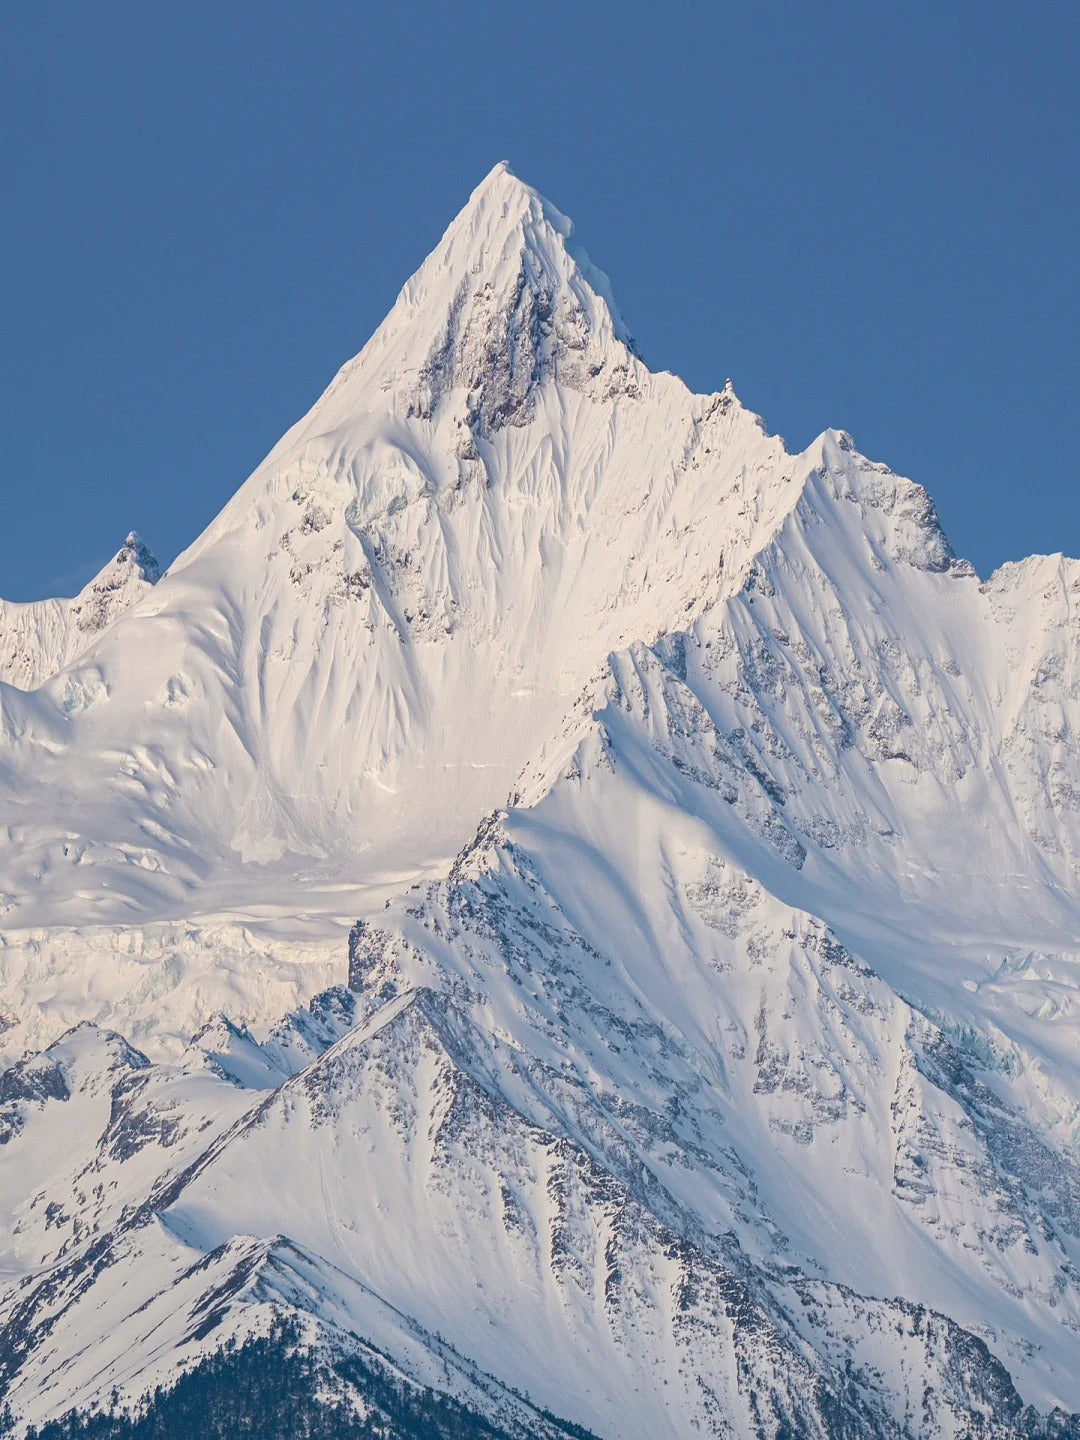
(1037, 604)
(743, 935)
(43, 636)
(354, 662)
(382, 636)
(782, 929)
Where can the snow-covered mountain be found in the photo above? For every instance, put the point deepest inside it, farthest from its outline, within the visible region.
(665, 855)
(40, 637)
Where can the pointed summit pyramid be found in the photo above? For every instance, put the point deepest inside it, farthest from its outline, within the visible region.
(393, 615)
(398, 620)
(506, 300)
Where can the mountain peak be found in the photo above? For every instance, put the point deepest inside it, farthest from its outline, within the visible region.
(40, 637)
(508, 225)
(506, 300)
(700, 844)
(118, 584)
(137, 553)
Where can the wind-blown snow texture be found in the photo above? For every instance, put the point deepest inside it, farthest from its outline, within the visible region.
(699, 840)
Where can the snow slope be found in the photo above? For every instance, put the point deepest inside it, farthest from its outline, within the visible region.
(351, 666)
(713, 841)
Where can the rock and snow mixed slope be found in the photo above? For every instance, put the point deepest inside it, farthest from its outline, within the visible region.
(723, 1082)
(41, 637)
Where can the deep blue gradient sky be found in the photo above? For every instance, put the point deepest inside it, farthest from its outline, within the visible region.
(865, 214)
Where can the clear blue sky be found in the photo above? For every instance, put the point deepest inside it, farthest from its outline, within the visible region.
(864, 213)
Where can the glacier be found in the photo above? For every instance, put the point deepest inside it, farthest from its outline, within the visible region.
(571, 906)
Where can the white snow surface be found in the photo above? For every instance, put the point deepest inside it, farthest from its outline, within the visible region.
(714, 835)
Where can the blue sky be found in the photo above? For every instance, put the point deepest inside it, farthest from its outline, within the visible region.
(865, 214)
